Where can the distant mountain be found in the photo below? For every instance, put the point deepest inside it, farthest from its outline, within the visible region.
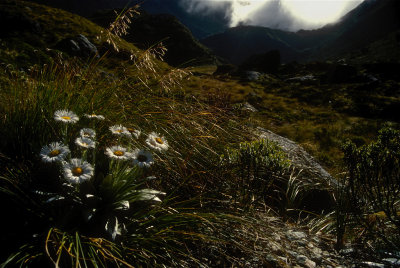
(148, 29)
(201, 25)
(238, 43)
(370, 22)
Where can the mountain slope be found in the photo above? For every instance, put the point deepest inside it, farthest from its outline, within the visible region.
(238, 43)
(148, 30)
(201, 25)
(32, 33)
(371, 21)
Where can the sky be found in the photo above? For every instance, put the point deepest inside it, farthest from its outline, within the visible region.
(289, 15)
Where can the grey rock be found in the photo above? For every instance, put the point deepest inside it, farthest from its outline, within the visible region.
(74, 46)
(86, 46)
(295, 235)
(78, 46)
(316, 180)
(325, 253)
(299, 157)
(306, 262)
(301, 259)
(373, 264)
(310, 264)
(346, 251)
(306, 79)
(392, 261)
(248, 107)
(252, 75)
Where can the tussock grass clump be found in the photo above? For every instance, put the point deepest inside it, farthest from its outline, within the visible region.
(118, 214)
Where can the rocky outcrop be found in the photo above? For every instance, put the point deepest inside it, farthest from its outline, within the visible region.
(316, 182)
(282, 244)
(300, 158)
(77, 46)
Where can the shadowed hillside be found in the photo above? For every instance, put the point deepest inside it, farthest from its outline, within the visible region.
(371, 22)
(182, 48)
(199, 24)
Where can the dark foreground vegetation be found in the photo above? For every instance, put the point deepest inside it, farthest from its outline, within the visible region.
(111, 158)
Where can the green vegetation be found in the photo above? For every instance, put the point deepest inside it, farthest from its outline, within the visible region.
(373, 187)
(206, 192)
(258, 166)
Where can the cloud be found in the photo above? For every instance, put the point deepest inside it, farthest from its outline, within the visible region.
(277, 14)
(208, 6)
(274, 15)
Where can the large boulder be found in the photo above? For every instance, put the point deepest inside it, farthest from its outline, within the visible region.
(317, 182)
(78, 46)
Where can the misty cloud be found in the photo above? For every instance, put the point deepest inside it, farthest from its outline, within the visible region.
(268, 13)
(208, 6)
(273, 15)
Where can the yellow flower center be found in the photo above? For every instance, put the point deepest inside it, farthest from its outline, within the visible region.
(142, 158)
(119, 130)
(66, 117)
(54, 153)
(86, 134)
(159, 140)
(77, 171)
(84, 144)
(119, 153)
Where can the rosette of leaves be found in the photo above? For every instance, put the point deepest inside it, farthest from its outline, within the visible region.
(111, 220)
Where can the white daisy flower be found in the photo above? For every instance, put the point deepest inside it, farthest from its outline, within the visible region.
(66, 116)
(120, 130)
(157, 142)
(118, 152)
(95, 116)
(85, 142)
(87, 133)
(53, 152)
(135, 132)
(142, 158)
(77, 171)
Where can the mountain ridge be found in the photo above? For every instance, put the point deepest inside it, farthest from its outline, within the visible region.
(371, 21)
